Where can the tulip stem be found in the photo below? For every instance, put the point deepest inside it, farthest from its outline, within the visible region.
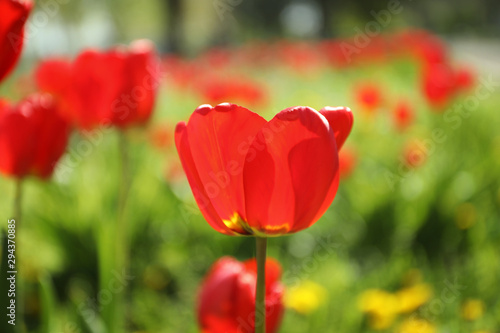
(18, 193)
(125, 177)
(114, 311)
(260, 297)
(122, 225)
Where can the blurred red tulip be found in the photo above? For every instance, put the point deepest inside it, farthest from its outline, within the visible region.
(216, 58)
(403, 115)
(116, 87)
(141, 76)
(161, 136)
(253, 177)
(216, 89)
(301, 57)
(368, 96)
(431, 50)
(182, 73)
(13, 16)
(332, 49)
(226, 302)
(33, 136)
(464, 78)
(415, 154)
(438, 84)
(347, 162)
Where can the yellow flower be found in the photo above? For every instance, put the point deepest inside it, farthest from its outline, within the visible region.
(382, 307)
(381, 322)
(472, 309)
(414, 325)
(306, 297)
(411, 298)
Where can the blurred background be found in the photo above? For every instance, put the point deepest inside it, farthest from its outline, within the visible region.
(412, 240)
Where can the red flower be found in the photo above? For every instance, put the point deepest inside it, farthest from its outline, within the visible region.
(403, 115)
(115, 87)
(226, 302)
(161, 136)
(464, 78)
(216, 89)
(438, 84)
(13, 15)
(182, 73)
(301, 57)
(415, 154)
(253, 177)
(141, 76)
(33, 137)
(368, 96)
(347, 162)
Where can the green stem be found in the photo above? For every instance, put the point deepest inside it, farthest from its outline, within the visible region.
(122, 246)
(260, 297)
(125, 177)
(18, 193)
(114, 311)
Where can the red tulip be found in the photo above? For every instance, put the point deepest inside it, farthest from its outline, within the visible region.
(13, 15)
(368, 96)
(403, 115)
(141, 75)
(301, 57)
(226, 303)
(160, 136)
(347, 162)
(415, 154)
(115, 87)
(431, 50)
(438, 84)
(33, 137)
(216, 89)
(183, 73)
(464, 78)
(253, 177)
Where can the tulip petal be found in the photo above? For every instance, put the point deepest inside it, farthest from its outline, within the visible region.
(341, 120)
(226, 302)
(16, 146)
(219, 138)
(216, 308)
(52, 133)
(200, 195)
(14, 16)
(141, 72)
(53, 75)
(273, 269)
(97, 81)
(291, 172)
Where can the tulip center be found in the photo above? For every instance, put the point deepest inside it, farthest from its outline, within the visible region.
(240, 226)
